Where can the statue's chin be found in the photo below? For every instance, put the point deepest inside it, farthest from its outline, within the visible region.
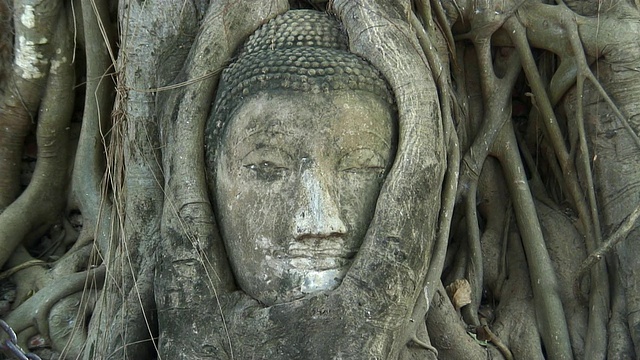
(315, 274)
(323, 280)
(290, 279)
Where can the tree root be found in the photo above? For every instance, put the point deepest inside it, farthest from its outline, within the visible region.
(30, 279)
(619, 235)
(496, 90)
(515, 315)
(43, 199)
(450, 184)
(89, 165)
(493, 338)
(9, 272)
(448, 333)
(68, 322)
(549, 309)
(567, 250)
(599, 298)
(22, 93)
(621, 345)
(35, 311)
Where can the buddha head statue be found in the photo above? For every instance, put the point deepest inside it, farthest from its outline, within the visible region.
(300, 138)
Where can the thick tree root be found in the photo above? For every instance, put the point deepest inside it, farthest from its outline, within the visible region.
(43, 200)
(21, 93)
(448, 333)
(35, 311)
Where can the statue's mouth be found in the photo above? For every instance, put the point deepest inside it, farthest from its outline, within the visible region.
(316, 255)
(321, 253)
(321, 249)
(319, 263)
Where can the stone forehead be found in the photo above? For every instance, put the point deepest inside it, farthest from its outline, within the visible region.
(301, 50)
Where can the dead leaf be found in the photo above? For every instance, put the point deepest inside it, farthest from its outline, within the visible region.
(459, 292)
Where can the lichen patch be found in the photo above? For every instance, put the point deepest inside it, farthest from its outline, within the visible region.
(28, 17)
(57, 63)
(28, 58)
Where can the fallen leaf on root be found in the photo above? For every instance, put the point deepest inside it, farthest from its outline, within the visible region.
(459, 292)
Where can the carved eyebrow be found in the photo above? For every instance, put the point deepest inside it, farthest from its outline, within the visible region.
(260, 132)
(380, 137)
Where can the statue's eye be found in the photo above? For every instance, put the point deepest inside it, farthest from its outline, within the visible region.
(362, 161)
(267, 163)
(267, 170)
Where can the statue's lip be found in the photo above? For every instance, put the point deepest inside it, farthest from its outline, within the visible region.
(301, 251)
(310, 262)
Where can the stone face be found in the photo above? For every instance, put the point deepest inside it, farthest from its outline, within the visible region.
(297, 177)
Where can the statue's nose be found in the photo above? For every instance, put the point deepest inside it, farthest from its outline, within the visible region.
(318, 215)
